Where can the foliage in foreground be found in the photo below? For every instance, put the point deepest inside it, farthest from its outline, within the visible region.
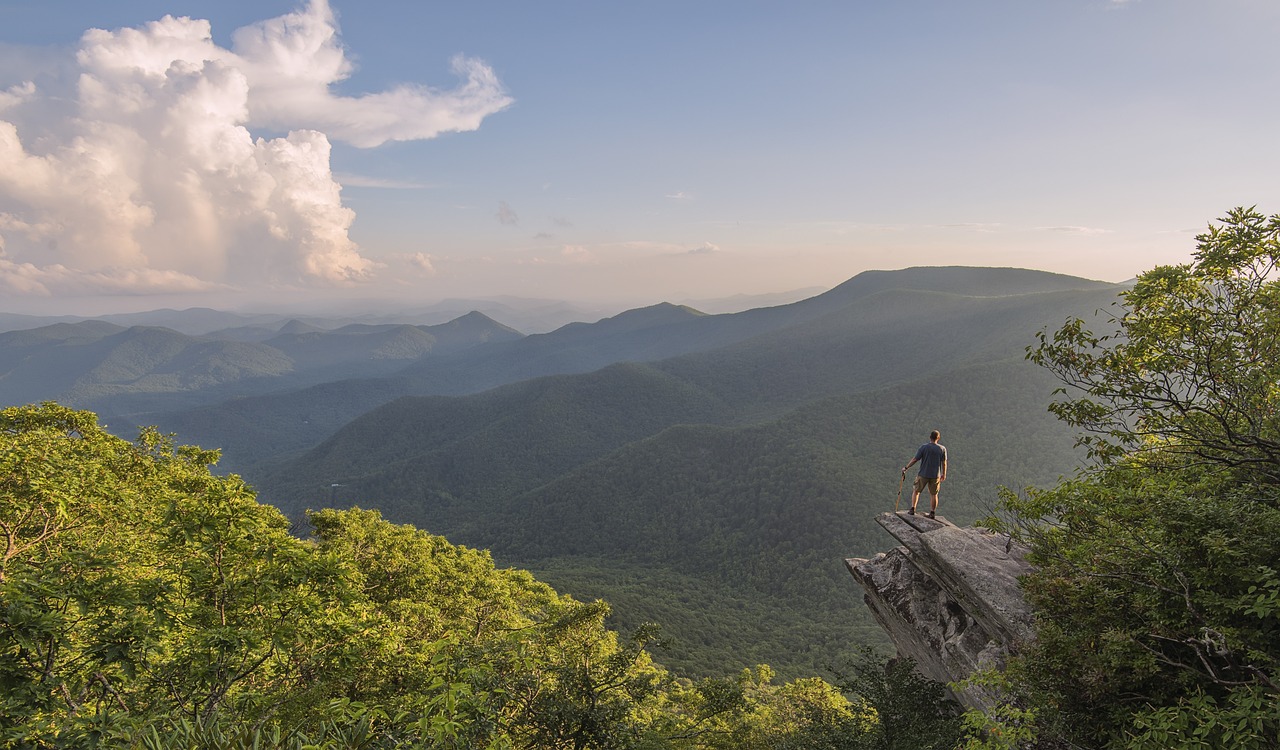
(1158, 589)
(147, 603)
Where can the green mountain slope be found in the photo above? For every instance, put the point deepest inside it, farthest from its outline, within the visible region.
(129, 375)
(330, 349)
(263, 431)
(750, 525)
(878, 339)
(158, 360)
(43, 363)
(751, 469)
(352, 348)
(665, 331)
(729, 536)
(84, 362)
(508, 440)
(410, 450)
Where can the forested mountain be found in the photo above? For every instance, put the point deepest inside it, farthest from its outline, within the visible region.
(759, 517)
(85, 362)
(149, 603)
(665, 331)
(739, 475)
(527, 315)
(357, 344)
(705, 471)
(255, 431)
(139, 370)
(512, 438)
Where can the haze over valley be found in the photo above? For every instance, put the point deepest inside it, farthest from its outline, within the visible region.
(534, 375)
(661, 454)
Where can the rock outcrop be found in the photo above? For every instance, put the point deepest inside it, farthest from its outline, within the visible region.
(948, 597)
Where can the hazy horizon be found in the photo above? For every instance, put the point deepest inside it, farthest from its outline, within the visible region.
(340, 307)
(355, 306)
(278, 153)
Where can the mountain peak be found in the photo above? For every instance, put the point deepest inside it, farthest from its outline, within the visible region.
(663, 312)
(968, 281)
(295, 326)
(474, 327)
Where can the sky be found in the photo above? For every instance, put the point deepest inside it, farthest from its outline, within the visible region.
(276, 153)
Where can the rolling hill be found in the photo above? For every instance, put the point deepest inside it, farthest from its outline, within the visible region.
(82, 363)
(707, 472)
(134, 372)
(258, 432)
(749, 468)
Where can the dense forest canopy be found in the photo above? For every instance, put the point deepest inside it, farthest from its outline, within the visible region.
(733, 481)
(150, 603)
(147, 602)
(1158, 589)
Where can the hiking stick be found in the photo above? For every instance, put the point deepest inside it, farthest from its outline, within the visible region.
(900, 483)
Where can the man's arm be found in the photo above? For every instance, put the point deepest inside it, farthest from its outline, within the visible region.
(908, 466)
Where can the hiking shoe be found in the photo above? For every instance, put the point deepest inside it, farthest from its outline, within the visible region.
(930, 515)
(911, 511)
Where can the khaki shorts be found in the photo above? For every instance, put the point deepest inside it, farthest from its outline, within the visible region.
(930, 482)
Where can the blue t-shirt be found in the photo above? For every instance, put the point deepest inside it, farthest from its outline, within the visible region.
(932, 456)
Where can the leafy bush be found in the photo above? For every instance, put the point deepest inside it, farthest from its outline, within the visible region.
(1157, 594)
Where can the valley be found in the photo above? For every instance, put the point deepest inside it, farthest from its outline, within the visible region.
(704, 472)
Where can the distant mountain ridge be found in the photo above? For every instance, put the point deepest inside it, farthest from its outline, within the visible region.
(254, 430)
(735, 467)
(525, 315)
(103, 366)
(724, 457)
(855, 339)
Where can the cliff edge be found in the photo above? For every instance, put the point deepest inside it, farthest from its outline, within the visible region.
(948, 597)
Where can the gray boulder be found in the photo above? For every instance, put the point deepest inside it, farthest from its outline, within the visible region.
(948, 597)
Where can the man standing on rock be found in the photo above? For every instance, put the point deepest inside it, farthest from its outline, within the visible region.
(933, 471)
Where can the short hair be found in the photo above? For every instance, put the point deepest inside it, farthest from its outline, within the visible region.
(935, 435)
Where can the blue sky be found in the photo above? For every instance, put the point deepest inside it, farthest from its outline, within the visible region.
(613, 152)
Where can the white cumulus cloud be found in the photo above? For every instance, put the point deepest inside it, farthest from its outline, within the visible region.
(16, 94)
(57, 280)
(156, 181)
(423, 263)
(293, 60)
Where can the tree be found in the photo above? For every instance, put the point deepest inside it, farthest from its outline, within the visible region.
(1191, 365)
(138, 585)
(147, 602)
(752, 713)
(1157, 593)
(912, 711)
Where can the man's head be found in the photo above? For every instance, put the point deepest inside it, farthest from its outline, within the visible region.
(934, 436)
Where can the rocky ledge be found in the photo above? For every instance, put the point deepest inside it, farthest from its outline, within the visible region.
(948, 597)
